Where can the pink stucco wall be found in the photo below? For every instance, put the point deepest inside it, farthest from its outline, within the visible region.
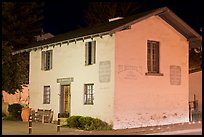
(142, 100)
(19, 97)
(195, 87)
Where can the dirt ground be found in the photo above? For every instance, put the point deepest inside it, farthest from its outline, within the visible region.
(21, 128)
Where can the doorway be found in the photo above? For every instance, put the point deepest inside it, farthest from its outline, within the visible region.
(65, 100)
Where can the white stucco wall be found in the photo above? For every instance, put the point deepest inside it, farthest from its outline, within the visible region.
(195, 87)
(130, 98)
(142, 100)
(69, 61)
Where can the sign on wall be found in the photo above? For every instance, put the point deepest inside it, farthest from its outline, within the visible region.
(65, 80)
(175, 75)
(104, 71)
(129, 72)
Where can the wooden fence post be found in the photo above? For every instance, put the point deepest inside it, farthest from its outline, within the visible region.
(58, 122)
(30, 124)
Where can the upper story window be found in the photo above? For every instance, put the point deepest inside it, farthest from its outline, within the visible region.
(90, 53)
(153, 57)
(46, 60)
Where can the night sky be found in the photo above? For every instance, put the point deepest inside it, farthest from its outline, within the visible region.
(64, 16)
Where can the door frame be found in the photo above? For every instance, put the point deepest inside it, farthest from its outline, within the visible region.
(62, 101)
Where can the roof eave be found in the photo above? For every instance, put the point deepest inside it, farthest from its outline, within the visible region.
(191, 35)
(64, 41)
(156, 12)
(165, 13)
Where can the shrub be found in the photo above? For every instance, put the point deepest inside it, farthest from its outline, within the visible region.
(197, 115)
(3, 114)
(73, 122)
(15, 111)
(100, 125)
(87, 123)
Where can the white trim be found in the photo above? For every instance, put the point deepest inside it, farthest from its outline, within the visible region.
(67, 40)
(156, 12)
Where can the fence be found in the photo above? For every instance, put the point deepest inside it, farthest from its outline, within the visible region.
(194, 114)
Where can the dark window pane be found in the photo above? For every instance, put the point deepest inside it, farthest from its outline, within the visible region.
(46, 96)
(153, 56)
(90, 52)
(88, 94)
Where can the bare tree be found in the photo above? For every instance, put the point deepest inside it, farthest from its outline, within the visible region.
(99, 12)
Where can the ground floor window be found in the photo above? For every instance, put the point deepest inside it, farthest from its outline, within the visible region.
(46, 95)
(88, 94)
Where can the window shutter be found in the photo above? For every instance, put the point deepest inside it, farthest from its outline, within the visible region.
(157, 56)
(86, 53)
(149, 57)
(93, 52)
(43, 60)
(85, 93)
(47, 62)
(51, 59)
(49, 95)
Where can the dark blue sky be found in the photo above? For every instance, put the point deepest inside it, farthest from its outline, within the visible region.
(64, 16)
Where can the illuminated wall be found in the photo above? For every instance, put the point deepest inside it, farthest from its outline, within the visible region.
(69, 62)
(127, 98)
(142, 100)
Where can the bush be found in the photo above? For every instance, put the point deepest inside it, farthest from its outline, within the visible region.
(87, 123)
(100, 125)
(73, 122)
(3, 114)
(15, 111)
(197, 116)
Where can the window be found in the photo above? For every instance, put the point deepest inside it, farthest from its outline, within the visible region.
(90, 53)
(46, 60)
(88, 94)
(152, 56)
(46, 95)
